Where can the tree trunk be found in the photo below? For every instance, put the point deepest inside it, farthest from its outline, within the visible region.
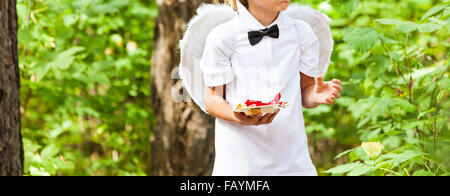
(11, 150)
(183, 137)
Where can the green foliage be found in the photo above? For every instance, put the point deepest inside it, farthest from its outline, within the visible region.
(434, 11)
(361, 39)
(344, 6)
(85, 68)
(392, 57)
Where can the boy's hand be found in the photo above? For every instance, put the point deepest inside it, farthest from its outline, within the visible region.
(254, 120)
(325, 92)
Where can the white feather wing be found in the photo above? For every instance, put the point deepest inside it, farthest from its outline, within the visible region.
(192, 45)
(320, 24)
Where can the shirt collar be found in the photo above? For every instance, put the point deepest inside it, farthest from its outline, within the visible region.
(252, 24)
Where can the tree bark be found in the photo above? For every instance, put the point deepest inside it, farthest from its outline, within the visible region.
(11, 150)
(183, 137)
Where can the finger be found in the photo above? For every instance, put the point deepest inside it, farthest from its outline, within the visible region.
(264, 119)
(319, 81)
(273, 116)
(254, 119)
(336, 95)
(336, 81)
(329, 101)
(242, 116)
(337, 87)
(241, 119)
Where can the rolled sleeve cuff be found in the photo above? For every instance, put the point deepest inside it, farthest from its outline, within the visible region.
(309, 72)
(218, 78)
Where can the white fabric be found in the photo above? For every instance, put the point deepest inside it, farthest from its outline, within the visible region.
(320, 24)
(260, 72)
(192, 45)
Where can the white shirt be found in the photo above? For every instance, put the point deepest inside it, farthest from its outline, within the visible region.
(260, 72)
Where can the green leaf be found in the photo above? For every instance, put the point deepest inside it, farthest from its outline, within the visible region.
(392, 141)
(353, 156)
(343, 153)
(110, 7)
(447, 11)
(361, 154)
(362, 122)
(26, 38)
(70, 19)
(388, 40)
(378, 66)
(63, 165)
(434, 11)
(63, 33)
(321, 109)
(438, 21)
(360, 169)
(362, 105)
(402, 26)
(65, 59)
(374, 135)
(410, 124)
(402, 157)
(423, 173)
(316, 127)
(407, 27)
(103, 79)
(403, 104)
(361, 39)
(345, 101)
(345, 6)
(342, 168)
(50, 151)
(29, 146)
(440, 95)
(373, 149)
(21, 12)
(91, 111)
(429, 27)
(54, 133)
(48, 166)
(37, 172)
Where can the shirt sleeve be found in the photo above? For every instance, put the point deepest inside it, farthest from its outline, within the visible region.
(309, 60)
(215, 63)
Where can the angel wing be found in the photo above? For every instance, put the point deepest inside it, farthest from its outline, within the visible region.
(320, 24)
(208, 17)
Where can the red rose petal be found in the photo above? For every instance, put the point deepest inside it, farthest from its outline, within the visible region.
(276, 100)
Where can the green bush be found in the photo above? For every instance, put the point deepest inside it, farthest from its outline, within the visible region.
(393, 57)
(85, 90)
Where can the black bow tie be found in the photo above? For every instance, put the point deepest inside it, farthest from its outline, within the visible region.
(256, 36)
